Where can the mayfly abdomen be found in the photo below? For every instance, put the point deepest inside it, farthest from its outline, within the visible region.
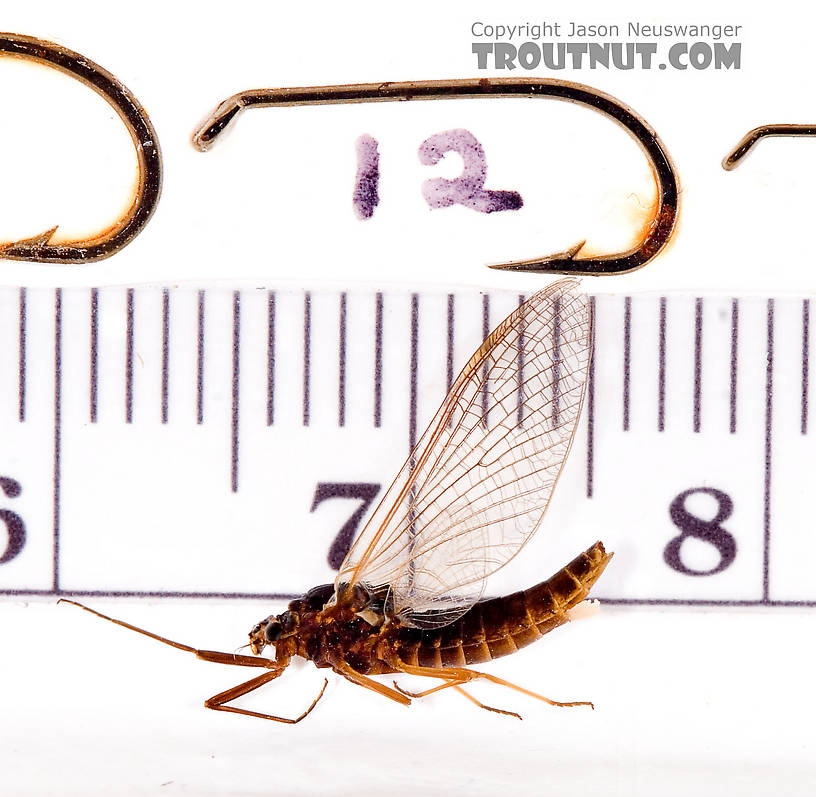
(501, 626)
(550, 601)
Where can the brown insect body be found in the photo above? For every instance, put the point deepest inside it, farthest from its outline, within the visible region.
(471, 494)
(491, 628)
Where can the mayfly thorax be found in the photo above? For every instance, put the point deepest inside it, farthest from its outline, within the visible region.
(407, 598)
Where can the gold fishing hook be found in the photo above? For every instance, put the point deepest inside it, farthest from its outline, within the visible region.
(109, 241)
(659, 229)
(752, 137)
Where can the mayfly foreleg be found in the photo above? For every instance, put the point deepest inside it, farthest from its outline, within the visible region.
(218, 702)
(205, 655)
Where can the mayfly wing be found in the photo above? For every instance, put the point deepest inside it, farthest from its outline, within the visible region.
(476, 485)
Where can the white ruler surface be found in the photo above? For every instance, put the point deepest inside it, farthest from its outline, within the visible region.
(228, 443)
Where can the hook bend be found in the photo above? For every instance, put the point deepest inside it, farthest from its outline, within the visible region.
(109, 241)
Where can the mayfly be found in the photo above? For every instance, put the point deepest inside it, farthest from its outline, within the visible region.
(407, 598)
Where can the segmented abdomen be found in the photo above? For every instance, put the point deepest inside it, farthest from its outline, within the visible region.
(496, 627)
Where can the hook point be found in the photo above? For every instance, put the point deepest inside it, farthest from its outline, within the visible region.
(34, 241)
(552, 263)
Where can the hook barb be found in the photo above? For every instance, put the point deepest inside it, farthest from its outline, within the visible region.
(554, 264)
(38, 248)
(659, 230)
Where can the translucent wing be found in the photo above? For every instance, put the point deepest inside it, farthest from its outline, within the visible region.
(475, 488)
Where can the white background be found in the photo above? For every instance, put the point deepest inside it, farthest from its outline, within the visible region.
(712, 701)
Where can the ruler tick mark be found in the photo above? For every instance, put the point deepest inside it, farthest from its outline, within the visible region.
(94, 386)
(165, 357)
(734, 364)
(661, 367)
(412, 412)
(520, 383)
(57, 433)
(200, 360)
(451, 323)
(698, 361)
(805, 361)
(21, 359)
(270, 358)
(378, 361)
(450, 346)
(341, 356)
(556, 386)
(627, 358)
(768, 452)
(485, 333)
(236, 366)
(307, 354)
(129, 358)
(590, 399)
(412, 425)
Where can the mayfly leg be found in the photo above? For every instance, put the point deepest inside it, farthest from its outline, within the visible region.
(355, 677)
(482, 705)
(218, 702)
(457, 685)
(425, 692)
(206, 655)
(455, 676)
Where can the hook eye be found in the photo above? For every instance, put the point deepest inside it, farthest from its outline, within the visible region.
(752, 137)
(659, 229)
(109, 241)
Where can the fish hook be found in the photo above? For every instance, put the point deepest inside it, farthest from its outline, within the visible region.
(567, 262)
(122, 232)
(747, 142)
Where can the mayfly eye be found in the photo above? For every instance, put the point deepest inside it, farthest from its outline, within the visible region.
(288, 622)
(272, 631)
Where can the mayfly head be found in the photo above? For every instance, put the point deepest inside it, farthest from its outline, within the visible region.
(273, 629)
(278, 627)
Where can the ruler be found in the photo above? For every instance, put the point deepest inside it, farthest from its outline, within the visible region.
(171, 443)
